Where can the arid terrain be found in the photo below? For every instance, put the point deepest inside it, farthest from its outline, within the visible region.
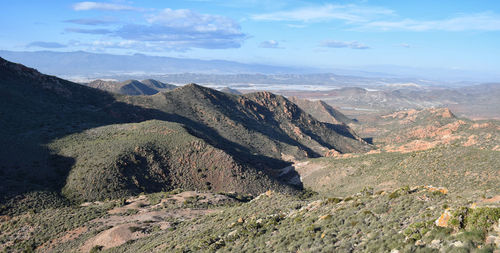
(143, 166)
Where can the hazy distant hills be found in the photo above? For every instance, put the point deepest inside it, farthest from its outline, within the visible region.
(70, 139)
(132, 87)
(84, 64)
(476, 101)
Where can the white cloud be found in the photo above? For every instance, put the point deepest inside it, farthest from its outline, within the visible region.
(193, 21)
(85, 6)
(406, 45)
(470, 22)
(343, 44)
(349, 13)
(183, 29)
(269, 44)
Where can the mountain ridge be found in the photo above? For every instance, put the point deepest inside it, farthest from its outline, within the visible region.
(44, 118)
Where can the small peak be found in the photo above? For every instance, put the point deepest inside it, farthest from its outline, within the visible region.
(446, 113)
(192, 85)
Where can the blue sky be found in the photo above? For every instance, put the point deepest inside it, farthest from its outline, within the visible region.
(460, 35)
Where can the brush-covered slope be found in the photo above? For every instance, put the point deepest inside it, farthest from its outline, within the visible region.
(127, 159)
(132, 87)
(400, 221)
(260, 123)
(36, 109)
(465, 171)
(321, 111)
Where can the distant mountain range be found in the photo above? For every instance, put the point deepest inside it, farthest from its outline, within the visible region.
(84, 67)
(84, 64)
(475, 101)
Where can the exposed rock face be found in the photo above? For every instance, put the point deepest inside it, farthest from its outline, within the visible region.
(443, 220)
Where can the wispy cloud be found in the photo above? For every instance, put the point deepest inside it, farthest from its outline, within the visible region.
(375, 18)
(88, 21)
(349, 13)
(269, 44)
(343, 44)
(85, 6)
(471, 22)
(296, 26)
(183, 29)
(406, 45)
(88, 31)
(45, 44)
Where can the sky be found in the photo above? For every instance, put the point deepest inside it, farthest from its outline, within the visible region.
(449, 34)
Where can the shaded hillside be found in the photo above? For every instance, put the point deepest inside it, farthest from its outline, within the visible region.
(132, 87)
(261, 123)
(36, 109)
(321, 111)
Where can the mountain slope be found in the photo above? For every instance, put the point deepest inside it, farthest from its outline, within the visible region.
(261, 123)
(126, 159)
(412, 130)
